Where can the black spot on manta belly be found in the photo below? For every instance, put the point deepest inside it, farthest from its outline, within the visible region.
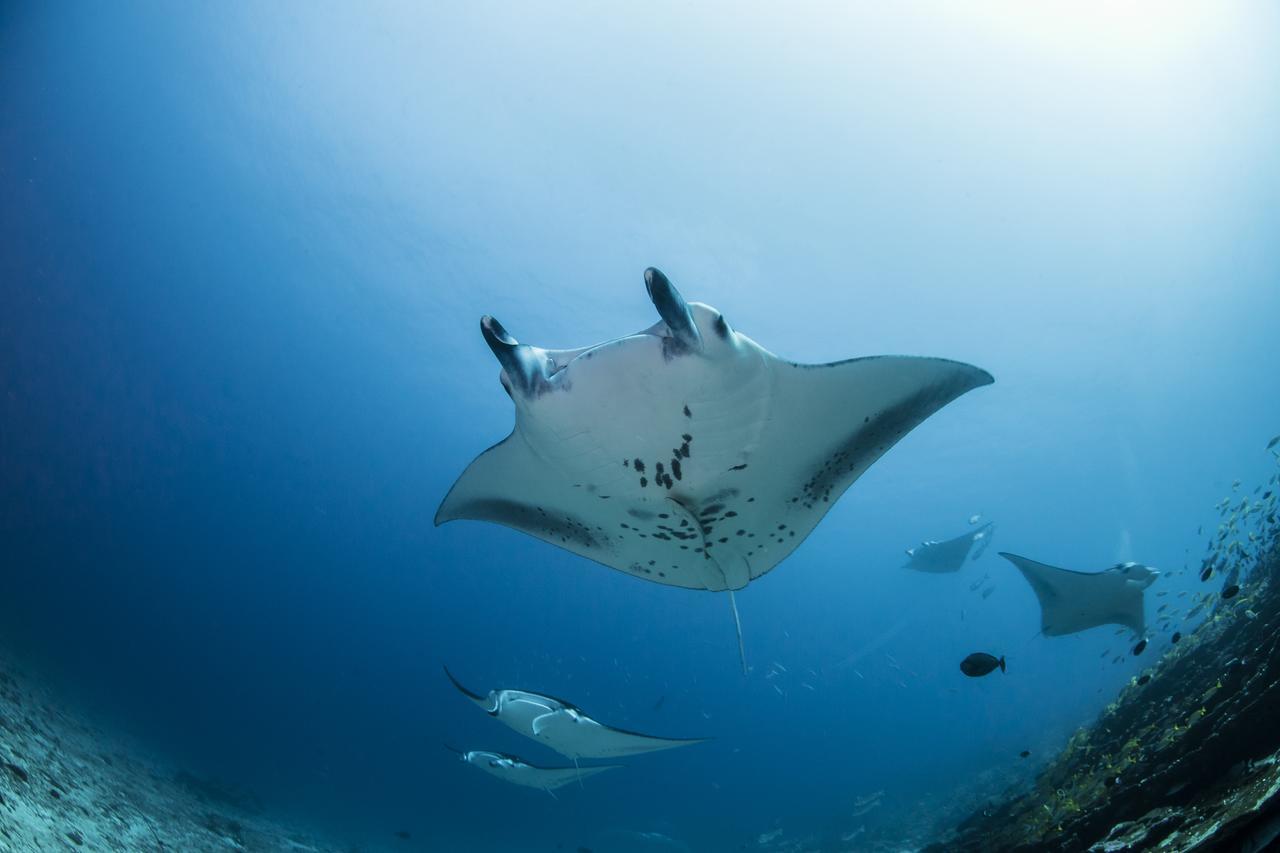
(639, 466)
(687, 413)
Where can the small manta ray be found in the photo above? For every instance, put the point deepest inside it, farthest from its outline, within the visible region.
(1076, 601)
(564, 727)
(517, 771)
(950, 554)
(687, 454)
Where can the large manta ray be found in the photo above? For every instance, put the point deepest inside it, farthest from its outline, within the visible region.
(1076, 601)
(687, 454)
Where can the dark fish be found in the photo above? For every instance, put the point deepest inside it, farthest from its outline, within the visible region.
(1142, 644)
(1230, 591)
(981, 663)
(1177, 635)
(1273, 442)
(1207, 573)
(403, 835)
(1024, 753)
(658, 704)
(1117, 659)
(1143, 679)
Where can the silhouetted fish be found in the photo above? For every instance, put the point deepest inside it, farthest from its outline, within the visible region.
(1024, 753)
(1177, 635)
(1142, 644)
(981, 663)
(1143, 679)
(1230, 591)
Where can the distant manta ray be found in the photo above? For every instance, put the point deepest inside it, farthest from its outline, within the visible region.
(949, 555)
(517, 771)
(563, 726)
(1076, 601)
(687, 454)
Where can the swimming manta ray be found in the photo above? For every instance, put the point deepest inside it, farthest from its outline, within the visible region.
(1076, 601)
(564, 727)
(687, 454)
(949, 555)
(517, 771)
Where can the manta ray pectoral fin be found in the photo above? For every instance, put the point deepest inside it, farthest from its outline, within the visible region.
(673, 310)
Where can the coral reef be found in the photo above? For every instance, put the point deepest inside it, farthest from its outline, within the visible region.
(1188, 756)
(67, 786)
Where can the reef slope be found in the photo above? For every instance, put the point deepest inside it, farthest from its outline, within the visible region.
(66, 786)
(1188, 760)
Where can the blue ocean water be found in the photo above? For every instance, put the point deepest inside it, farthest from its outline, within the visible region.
(244, 252)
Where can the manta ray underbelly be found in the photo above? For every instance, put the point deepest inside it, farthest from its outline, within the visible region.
(660, 472)
(687, 454)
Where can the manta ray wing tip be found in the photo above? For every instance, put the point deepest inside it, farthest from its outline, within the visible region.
(443, 513)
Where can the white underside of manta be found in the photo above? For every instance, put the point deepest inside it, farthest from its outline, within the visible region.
(511, 769)
(1076, 601)
(687, 454)
(565, 727)
(949, 554)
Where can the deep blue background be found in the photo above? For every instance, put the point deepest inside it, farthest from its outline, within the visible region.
(244, 254)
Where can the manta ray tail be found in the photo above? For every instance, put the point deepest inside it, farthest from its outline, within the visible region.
(737, 623)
